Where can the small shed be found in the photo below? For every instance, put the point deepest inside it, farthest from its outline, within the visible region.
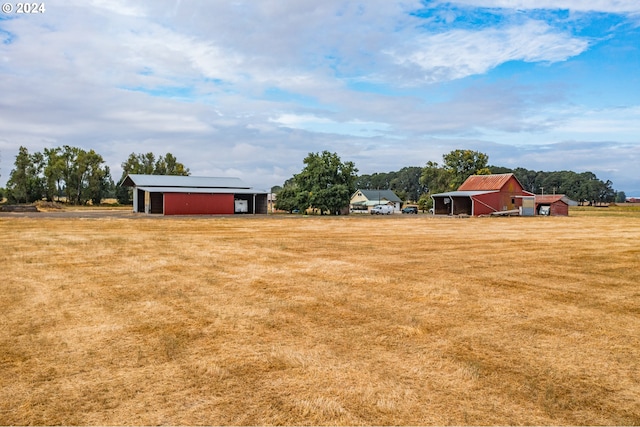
(194, 195)
(364, 200)
(553, 204)
(484, 195)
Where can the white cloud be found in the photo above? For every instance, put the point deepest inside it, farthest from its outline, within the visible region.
(324, 125)
(460, 53)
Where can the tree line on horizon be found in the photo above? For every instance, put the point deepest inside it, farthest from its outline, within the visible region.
(458, 165)
(326, 183)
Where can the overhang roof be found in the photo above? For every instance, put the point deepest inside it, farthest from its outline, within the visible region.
(201, 190)
(139, 180)
(463, 193)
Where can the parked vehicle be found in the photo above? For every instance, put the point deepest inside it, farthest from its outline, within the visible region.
(410, 210)
(382, 210)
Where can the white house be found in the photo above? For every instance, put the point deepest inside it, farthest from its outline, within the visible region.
(363, 200)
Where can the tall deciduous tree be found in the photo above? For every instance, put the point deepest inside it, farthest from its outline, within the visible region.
(17, 185)
(26, 184)
(53, 172)
(96, 178)
(464, 163)
(325, 184)
(436, 178)
(84, 175)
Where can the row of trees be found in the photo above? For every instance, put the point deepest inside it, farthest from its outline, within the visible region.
(78, 176)
(583, 187)
(405, 182)
(67, 171)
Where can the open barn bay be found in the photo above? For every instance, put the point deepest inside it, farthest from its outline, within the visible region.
(347, 320)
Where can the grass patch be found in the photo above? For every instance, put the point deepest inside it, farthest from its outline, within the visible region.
(347, 320)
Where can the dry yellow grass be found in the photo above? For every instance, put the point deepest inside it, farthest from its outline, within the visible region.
(348, 320)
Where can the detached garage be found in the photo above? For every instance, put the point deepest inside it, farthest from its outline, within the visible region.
(554, 205)
(194, 195)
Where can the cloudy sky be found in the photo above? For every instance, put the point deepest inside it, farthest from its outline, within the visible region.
(248, 88)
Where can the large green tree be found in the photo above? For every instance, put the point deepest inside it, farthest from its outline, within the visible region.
(435, 178)
(53, 173)
(84, 175)
(17, 185)
(96, 178)
(464, 163)
(26, 184)
(325, 184)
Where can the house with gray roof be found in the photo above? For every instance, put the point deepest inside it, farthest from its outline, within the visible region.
(363, 200)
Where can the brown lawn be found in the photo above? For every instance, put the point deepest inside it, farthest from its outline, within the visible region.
(309, 320)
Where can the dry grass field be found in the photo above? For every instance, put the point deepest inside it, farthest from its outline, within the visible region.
(313, 320)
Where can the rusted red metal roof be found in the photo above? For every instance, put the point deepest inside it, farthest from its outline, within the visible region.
(552, 198)
(486, 182)
(548, 198)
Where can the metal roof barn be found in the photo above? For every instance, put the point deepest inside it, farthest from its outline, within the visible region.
(194, 195)
(182, 181)
(482, 195)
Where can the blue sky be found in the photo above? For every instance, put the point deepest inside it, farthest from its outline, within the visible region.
(248, 88)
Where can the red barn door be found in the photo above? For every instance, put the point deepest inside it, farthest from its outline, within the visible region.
(198, 204)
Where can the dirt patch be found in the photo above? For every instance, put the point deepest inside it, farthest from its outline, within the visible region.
(18, 208)
(49, 206)
(63, 213)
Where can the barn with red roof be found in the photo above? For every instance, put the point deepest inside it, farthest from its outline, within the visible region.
(498, 194)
